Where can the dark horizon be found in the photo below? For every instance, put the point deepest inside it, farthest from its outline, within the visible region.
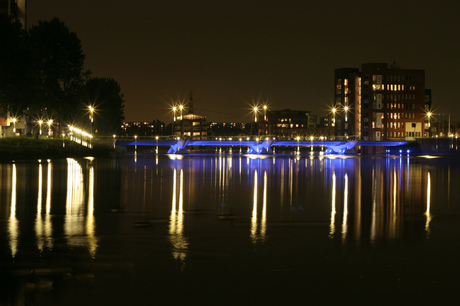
(232, 53)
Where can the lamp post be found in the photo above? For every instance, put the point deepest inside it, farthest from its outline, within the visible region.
(255, 109)
(298, 146)
(174, 119)
(14, 126)
(265, 119)
(49, 127)
(40, 124)
(334, 111)
(311, 139)
(181, 107)
(429, 122)
(91, 111)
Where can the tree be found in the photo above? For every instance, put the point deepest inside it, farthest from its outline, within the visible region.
(16, 72)
(104, 94)
(58, 66)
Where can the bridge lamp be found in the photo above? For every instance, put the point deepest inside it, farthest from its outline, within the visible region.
(91, 118)
(49, 127)
(181, 107)
(14, 125)
(429, 118)
(255, 109)
(40, 124)
(174, 109)
(346, 113)
(334, 110)
(265, 112)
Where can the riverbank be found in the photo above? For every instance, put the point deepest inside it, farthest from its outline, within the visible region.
(21, 148)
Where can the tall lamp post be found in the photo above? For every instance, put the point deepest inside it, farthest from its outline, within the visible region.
(265, 120)
(174, 119)
(40, 124)
(255, 117)
(91, 113)
(181, 107)
(49, 127)
(14, 126)
(429, 122)
(334, 111)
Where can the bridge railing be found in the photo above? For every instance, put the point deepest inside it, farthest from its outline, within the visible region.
(237, 137)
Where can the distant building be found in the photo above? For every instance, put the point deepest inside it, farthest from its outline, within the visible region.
(227, 129)
(285, 123)
(154, 128)
(380, 102)
(190, 126)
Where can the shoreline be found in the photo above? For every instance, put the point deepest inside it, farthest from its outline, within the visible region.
(21, 148)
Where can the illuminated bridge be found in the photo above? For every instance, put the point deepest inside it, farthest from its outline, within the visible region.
(260, 146)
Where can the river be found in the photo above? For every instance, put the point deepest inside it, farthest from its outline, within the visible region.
(230, 228)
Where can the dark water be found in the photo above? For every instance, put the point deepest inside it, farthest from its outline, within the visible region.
(230, 229)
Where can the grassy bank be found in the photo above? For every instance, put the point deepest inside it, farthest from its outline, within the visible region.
(21, 148)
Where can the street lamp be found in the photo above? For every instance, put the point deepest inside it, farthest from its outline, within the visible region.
(311, 148)
(49, 127)
(334, 110)
(14, 126)
(40, 124)
(174, 114)
(181, 107)
(91, 111)
(429, 122)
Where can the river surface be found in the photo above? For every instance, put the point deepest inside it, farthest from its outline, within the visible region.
(230, 229)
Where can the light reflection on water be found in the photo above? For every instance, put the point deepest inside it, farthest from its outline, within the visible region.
(359, 199)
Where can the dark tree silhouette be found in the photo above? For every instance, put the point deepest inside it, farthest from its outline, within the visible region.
(106, 97)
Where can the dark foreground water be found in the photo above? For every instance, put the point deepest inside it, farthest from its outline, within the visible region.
(230, 229)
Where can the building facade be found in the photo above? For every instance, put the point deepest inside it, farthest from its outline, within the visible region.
(383, 102)
(285, 123)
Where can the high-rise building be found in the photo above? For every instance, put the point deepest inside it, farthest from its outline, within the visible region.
(380, 102)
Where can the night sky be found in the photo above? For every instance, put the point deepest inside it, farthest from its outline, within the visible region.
(231, 53)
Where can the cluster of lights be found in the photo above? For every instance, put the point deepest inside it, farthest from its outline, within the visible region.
(78, 131)
(75, 130)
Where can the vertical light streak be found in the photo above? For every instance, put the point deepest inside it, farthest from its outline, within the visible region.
(358, 190)
(176, 228)
(263, 225)
(73, 223)
(254, 211)
(374, 207)
(172, 227)
(333, 209)
(345, 209)
(90, 222)
(392, 230)
(48, 225)
(38, 220)
(48, 188)
(408, 164)
(13, 223)
(428, 204)
(291, 182)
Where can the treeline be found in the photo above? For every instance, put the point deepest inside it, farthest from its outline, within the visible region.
(42, 77)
